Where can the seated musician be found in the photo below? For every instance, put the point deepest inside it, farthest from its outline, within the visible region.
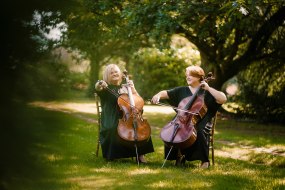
(109, 90)
(213, 100)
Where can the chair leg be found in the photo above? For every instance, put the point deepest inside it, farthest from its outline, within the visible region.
(212, 138)
(213, 156)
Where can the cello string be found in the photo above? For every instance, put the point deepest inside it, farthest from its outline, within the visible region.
(133, 107)
(119, 96)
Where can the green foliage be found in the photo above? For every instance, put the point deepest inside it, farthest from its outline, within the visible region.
(94, 33)
(263, 91)
(24, 42)
(230, 35)
(155, 70)
(48, 79)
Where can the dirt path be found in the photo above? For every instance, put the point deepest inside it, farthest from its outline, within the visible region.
(232, 150)
(70, 107)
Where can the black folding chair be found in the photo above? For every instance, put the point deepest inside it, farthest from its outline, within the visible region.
(99, 111)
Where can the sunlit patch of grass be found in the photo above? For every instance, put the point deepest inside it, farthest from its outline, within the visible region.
(268, 159)
(52, 157)
(235, 153)
(158, 119)
(160, 184)
(143, 171)
(91, 182)
(106, 170)
(249, 134)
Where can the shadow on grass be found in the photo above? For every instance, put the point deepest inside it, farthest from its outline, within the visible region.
(33, 142)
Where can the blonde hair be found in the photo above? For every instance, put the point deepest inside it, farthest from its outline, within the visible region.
(108, 69)
(195, 71)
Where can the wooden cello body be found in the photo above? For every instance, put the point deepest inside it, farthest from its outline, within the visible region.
(181, 132)
(132, 128)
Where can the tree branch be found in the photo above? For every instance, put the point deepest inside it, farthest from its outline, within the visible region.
(263, 34)
(258, 42)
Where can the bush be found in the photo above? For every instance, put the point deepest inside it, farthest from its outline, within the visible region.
(43, 80)
(262, 92)
(156, 71)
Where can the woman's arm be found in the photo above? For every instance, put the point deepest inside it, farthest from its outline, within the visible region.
(218, 95)
(161, 95)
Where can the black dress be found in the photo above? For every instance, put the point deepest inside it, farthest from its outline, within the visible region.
(199, 150)
(112, 147)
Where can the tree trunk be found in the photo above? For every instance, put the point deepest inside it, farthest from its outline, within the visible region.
(93, 74)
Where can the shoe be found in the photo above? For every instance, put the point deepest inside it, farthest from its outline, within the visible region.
(142, 159)
(205, 165)
(180, 161)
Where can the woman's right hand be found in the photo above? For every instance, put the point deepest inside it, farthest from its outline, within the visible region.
(155, 99)
(161, 95)
(100, 85)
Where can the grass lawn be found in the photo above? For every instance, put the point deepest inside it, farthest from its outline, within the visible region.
(51, 150)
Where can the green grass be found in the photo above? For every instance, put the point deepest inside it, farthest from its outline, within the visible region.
(48, 150)
(252, 133)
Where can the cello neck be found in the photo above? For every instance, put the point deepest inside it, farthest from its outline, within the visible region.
(189, 104)
(208, 78)
(130, 94)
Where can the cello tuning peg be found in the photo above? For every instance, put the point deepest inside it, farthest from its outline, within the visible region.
(210, 76)
(125, 72)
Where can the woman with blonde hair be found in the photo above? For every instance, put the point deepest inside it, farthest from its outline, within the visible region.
(112, 147)
(213, 100)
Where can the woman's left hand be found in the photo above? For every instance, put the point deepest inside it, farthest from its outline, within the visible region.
(131, 84)
(205, 85)
(124, 89)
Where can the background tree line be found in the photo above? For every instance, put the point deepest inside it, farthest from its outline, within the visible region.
(241, 41)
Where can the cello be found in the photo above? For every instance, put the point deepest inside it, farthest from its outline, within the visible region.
(181, 131)
(132, 129)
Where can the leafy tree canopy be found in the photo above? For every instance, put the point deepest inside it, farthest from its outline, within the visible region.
(230, 35)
